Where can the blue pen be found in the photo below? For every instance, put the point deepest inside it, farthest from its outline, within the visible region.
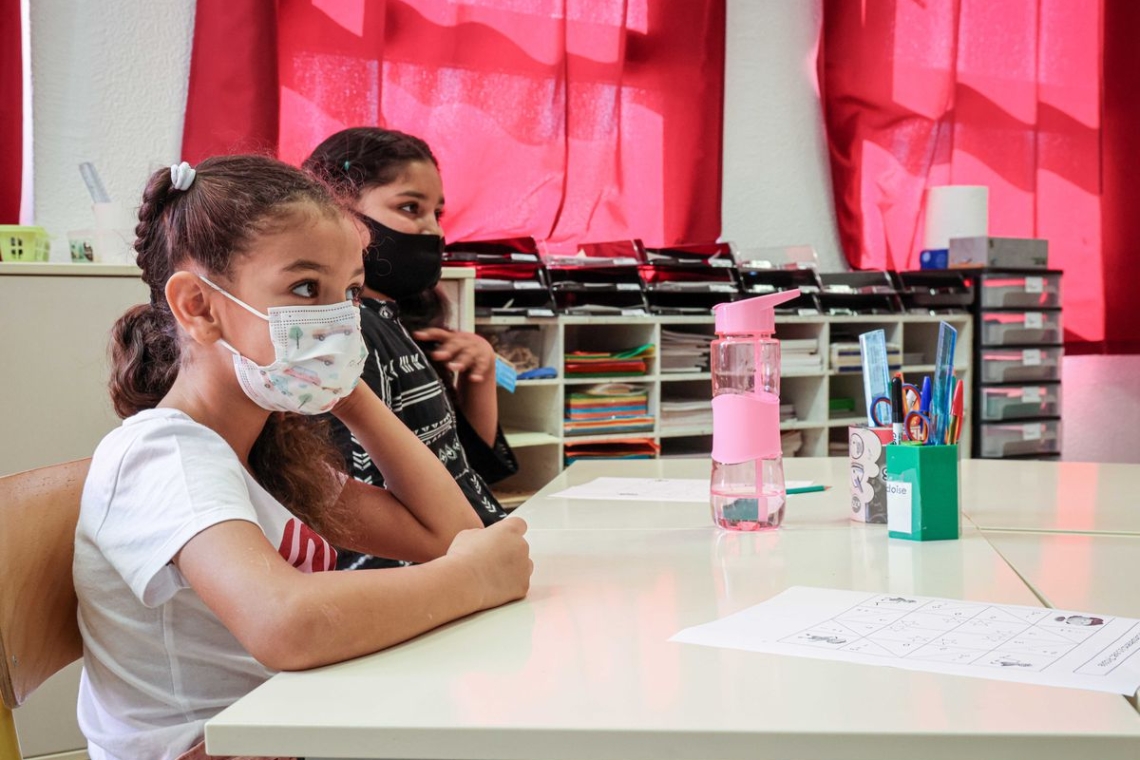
(924, 403)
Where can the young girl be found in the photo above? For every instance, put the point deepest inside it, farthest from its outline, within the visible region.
(207, 516)
(392, 180)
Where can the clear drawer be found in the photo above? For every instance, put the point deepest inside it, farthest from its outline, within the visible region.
(1004, 328)
(1020, 365)
(1010, 439)
(1021, 291)
(1020, 402)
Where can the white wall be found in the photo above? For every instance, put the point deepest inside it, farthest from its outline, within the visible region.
(777, 183)
(108, 85)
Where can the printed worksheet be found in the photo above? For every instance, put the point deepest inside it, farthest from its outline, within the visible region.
(1026, 644)
(650, 489)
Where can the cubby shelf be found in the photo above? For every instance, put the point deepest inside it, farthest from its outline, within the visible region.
(532, 416)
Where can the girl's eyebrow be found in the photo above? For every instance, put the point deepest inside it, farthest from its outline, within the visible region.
(415, 194)
(306, 265)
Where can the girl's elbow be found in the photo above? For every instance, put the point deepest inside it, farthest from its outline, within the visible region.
(285, 640)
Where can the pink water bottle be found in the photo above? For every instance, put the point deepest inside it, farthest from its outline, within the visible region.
(747, 489)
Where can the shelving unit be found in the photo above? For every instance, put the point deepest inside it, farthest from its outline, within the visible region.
(532, 416)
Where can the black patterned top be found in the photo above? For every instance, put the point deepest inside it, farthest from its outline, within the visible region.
(401, 375)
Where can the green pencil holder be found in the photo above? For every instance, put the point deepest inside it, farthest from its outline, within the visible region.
(922, 492)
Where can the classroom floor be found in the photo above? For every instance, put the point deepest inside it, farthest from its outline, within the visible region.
(1100, 409)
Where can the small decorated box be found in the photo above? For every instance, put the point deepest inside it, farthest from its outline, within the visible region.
(866, 449)
(922, 492)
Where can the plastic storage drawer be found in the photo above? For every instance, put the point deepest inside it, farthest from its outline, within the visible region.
(1020, 403)
(1020, 291)
(1020, 365)
(1011, 439)
(1003, 328)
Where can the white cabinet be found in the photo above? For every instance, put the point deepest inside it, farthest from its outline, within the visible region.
(532, 416)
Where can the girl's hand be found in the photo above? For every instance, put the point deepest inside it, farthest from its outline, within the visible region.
(499, 558)
(349, 406)
(464, 352)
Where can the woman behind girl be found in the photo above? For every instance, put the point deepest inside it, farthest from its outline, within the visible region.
(392, 181)
(208, 515)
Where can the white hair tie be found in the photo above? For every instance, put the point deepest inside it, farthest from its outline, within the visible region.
(182, 176)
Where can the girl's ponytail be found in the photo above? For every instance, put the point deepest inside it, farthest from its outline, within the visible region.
(144, 342)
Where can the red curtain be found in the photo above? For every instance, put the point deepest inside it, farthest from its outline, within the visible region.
(969, 92)
(1121, 167)
(566, 120)
(12, 125)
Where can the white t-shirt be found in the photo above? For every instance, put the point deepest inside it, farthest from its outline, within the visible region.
(157, 663)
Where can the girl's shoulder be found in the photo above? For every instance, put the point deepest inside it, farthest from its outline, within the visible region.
(159, 429)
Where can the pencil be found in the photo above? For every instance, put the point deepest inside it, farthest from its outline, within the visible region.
(808, 489)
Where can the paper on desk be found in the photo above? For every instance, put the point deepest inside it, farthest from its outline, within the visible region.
(1005, 642)
(649, 489)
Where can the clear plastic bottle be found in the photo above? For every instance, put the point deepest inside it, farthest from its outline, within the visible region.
(747, 486)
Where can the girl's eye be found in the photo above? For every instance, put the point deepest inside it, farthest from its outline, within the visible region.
(411, 208)
(306, 290)
(438, 214)
(353, 294)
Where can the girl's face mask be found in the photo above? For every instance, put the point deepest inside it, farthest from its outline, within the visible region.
(399, 264)
(319, 354)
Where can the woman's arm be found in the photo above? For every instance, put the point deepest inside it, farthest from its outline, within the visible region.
(422, 508)
(471, 357)
(289, 620)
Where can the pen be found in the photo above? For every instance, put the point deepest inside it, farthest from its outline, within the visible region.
(808, 489)
(956, 411)
(897, 409)
(924, 403)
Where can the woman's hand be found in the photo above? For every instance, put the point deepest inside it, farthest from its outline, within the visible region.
(498, 557)
(464, 353)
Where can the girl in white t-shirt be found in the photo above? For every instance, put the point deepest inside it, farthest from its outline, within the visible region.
(209, 516)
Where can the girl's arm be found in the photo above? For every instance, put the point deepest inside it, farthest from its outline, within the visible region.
(471, 357)
(290, 620)
(420, 510)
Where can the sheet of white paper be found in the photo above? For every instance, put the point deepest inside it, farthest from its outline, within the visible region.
(650, 489)
(1033, 645)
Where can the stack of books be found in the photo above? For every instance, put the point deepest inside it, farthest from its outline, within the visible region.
(684, 352)
(791, 441)
(608, 408)
(633, 361)
(847, 357)
(800, 356)
(686, 413)
(630, 448)
(788, 413)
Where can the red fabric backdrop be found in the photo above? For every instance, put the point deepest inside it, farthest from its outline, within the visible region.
(12, 125)
(567, 120)
(969, 92)
(1121, 167)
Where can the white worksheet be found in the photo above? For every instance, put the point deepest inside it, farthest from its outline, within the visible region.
(1026, 644)
(650, 489)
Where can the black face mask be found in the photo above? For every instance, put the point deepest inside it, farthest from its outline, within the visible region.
(399, 264)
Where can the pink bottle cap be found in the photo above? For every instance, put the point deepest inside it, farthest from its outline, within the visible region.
(752, 315)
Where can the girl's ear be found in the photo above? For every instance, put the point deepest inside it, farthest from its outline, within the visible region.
(188, 298)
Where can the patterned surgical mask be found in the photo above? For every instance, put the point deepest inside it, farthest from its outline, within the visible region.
(319, 355)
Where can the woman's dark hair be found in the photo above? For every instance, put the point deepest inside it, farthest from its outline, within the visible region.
(233, 200)
(358, 158)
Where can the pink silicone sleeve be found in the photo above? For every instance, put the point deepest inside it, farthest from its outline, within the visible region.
(745, 427)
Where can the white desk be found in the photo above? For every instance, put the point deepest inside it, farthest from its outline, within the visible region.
(1068, 497)
(582, 668)
(828, 509)
(1093, 573)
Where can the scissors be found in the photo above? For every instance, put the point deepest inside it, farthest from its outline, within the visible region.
(881, 406)
(917, 426)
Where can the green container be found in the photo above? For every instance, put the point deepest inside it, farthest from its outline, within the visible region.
(922, 492)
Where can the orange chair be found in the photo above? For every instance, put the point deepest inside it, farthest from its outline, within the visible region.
(39, 633)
